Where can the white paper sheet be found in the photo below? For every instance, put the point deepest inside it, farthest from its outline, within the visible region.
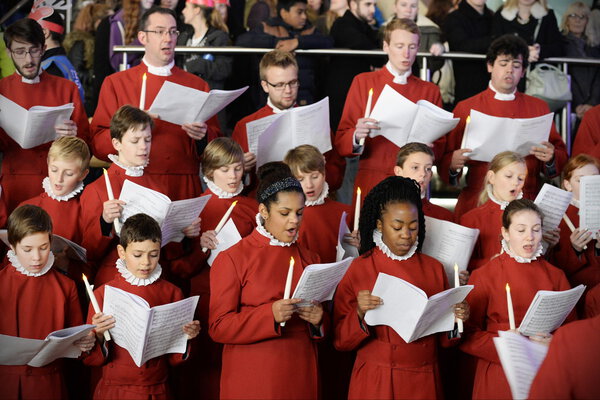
(589, 204)
(147, 332)
(488, 135)
(408, 311)
(449, 243)
(521, 359)
(255, 128)
(180, 104)
(319, 281)
(37, 353)
(554, 203)
(227, 237)
(549, 309)
(343, 249)
(33, 127)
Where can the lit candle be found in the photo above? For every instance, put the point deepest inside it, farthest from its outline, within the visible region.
(511, 313)
(143, 93)
(288, 283)
(367, 112)
(222, 221)
(357, 209)
(459, 322)
(94, 302)
(111, 197)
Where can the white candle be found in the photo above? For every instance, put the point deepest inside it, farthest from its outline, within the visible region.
(459, 322)
(357, 209)
(94, 302)
(222, 221)
(367, 112)
(571, 226)
(511, 313)
(111, 197)
(288, 283)
(143, 93)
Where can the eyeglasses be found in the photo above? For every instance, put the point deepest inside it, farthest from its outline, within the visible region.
(162, 32)
(34, 52)
(281, 86)
(577, 16)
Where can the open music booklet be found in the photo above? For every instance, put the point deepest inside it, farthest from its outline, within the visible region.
(319, 281)
(554, 203)
(589, 204)
(227, 237)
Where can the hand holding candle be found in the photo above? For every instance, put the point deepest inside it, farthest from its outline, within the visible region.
(111, 197)
(459, 322)
(571, 226)
(511, 313)
(143, 93)
(288, 283)
(222, 222)
(94, 302)
(357, 209)
(367, 112)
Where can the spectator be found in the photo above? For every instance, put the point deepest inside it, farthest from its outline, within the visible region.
(315, 9)
(337, 8)
(438, 10)
(260, 12)
(123, 31)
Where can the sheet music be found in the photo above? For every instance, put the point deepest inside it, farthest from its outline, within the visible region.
(549, 309)
(33, 127)
(275, 141)
(553, 202)
(449, 243)
(408, 311)
(521, 359)
(319, 281)
(343, 249)
(218, 100)
(311, 126)
(181, 214)
(227, 237)
(589, 204)
(255, 128)
(37, 353)
(431, 123)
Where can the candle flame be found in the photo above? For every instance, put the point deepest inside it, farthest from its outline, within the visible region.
(292, 261)
(468, 119)
(507, 287)
(455, 267)
(84, 277)
(371, 92)
(358, 191)
(234, 203)
(105, 171)
(144, 76)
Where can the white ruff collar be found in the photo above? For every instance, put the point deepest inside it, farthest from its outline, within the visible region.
(136, 172)
(575, 203)
(501, 203)
(321, 199)
(160, 71)
(519, 259)
(378, 239)
(222, 194)
(502, 96)
(260, 227)
(275, 109)
(12, 257)
(134, 280)
(401, 79)
(537, 11)
(36, 79)
(48, 189)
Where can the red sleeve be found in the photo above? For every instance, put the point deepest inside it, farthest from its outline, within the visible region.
(92, 239)
(588, 135)
(353, 110)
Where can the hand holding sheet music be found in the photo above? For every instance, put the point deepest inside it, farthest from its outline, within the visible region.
(344, 249)
(319, 281)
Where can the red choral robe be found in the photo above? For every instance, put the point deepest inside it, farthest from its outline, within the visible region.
(334, 166)
(174, 161)
(386, 366)
(488, 219)
(523, 106)
(570, 369)
(121, 378)
(489, 313)
(32, 307)
(23, 170)
(592, 302)
(435, 211)
(261, 360)
(579, 268)
(588, 135)
(378, 159)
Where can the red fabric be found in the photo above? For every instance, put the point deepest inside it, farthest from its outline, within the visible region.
(488, 219)
(588, 135)
(489, 313)
(379, 156)
(23, 170)
(32, 307)
(119, 373)
(435, 211)
(386, 366)
(570, 369)
(261, 360)
(3, 212)
(65, 215)
(174, 162)
(522, 107)
(592, 302)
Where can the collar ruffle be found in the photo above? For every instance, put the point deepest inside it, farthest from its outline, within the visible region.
(134, 280)
(260, 227)
(321, 199)
(501, 203)
(48, 189)
(160, 71)
(537, 11)
(12, 257)
(519, 259)
(502, 96)
(135, 172)
(378, 239)
(222, 194)
(401, 79)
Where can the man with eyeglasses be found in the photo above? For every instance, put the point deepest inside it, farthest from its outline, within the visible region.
(176, 149)
(24, 169)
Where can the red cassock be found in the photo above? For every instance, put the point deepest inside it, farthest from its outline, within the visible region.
(261, 360)
(489, 313)
(32, 307)
(588, 135)
(121, 378)
(386, 366)
(335, 164)
(488, 219)
(522, 106)
(23, 170)
(592, 302)
(579, 268)
(379, 156)
(570, 369)
(320, 228)
(174, 161)
(435, 211)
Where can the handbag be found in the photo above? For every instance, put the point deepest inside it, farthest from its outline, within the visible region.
(550, 84)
